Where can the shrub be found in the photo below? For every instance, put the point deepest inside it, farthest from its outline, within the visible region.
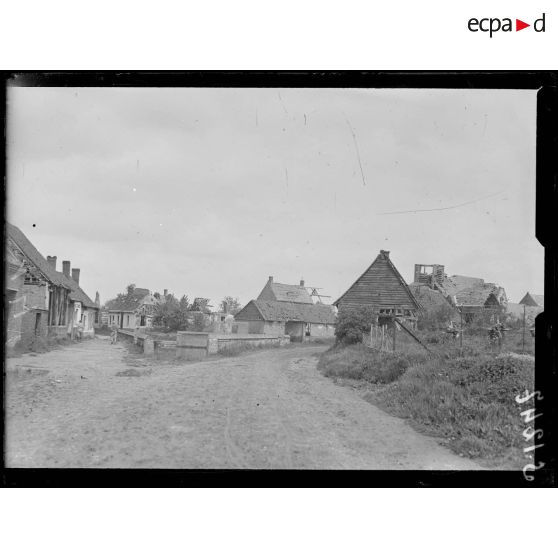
(353, 324)
(362, 363)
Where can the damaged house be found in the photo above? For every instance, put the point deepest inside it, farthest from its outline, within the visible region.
(131, 310)
(283, 309)
(41, 301)
(469, 295)
(383, 288)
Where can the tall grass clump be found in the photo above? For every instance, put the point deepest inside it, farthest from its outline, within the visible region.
(359, 362)
(470, 401)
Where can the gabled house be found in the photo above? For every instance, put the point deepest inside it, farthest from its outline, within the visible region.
(42, 301)
(133, 309)
(281, 292)
(533, 300)
(283, 309)
(383, 288)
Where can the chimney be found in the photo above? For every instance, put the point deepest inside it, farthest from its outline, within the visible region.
(75, 275)
(52, 261)
(302, 282)
(385, 253)
(165, 293)
(97, 299)
(66, 268)
(270, 280)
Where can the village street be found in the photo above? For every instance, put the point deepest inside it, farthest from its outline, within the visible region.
(265, 409)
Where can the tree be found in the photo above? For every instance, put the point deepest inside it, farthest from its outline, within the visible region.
(352, 324)
(130, 288)
(200, 305)
(230, 305)
(173, 314)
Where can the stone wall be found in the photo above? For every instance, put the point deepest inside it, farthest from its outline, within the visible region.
(192, 345)
(232, 341)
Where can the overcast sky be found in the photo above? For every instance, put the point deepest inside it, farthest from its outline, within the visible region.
(207, 192)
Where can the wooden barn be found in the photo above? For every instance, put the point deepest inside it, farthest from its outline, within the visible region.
(382, 287)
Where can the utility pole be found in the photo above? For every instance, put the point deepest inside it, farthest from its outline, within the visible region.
(461, 330)
(523, 336)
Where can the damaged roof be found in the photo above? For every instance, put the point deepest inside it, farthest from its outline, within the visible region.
(55, 277)
(130, 302)
(477, 296)
(457, 283)
(34, 256)
(274, 311)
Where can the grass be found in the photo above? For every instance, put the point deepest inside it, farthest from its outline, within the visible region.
(359, 362)
(466, 400)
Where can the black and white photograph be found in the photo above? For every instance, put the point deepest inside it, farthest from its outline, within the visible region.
(271, 278)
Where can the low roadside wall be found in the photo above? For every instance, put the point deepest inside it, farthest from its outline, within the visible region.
(191, 345)
(219, 343)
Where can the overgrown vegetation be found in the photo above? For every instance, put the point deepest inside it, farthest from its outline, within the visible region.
(362, 363)
(467, 400)
(353, 324)
(230, 305)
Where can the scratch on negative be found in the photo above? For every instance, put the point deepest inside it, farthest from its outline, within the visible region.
(442, 208)
(282, 103)
(357, 151)
(287, 177)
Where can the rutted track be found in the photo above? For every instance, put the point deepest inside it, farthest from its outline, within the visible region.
(266, 409)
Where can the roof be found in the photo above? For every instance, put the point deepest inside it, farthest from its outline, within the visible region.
(34, 256)
(281, 292)
(273, 311)
(456, 283)
(130, 302)
(429, 299)
(55, 277)
(477, 295)
(380, 285)
(532, 300)
(77, 293)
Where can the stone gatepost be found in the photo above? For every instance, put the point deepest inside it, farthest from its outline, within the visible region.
(148, 346)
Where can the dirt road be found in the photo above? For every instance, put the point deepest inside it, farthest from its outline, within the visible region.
(267, 409)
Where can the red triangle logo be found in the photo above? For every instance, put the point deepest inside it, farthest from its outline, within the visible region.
(519, 25)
